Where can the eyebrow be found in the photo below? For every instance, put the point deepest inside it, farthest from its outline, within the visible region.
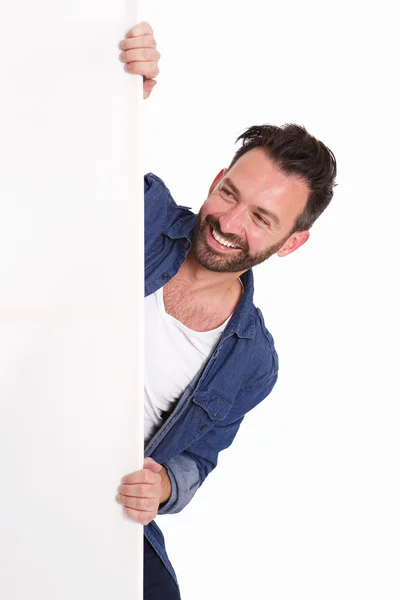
(264, 211)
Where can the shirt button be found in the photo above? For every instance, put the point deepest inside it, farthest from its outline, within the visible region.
(187, 245)
(165, 276)
(204, 428)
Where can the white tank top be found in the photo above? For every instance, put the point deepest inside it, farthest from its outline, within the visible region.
(173, 355)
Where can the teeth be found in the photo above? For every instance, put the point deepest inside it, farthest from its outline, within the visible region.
(221, 240)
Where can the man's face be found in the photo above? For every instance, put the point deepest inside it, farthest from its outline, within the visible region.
(253, 207)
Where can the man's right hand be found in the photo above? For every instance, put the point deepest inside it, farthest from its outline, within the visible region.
(141, 56)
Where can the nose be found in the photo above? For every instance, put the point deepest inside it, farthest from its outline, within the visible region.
(233, 220)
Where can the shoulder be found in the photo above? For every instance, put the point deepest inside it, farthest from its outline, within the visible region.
(155, 190)
(266, 334)
(160, 209)
(264, 364)
(155, 182)
(155, 187)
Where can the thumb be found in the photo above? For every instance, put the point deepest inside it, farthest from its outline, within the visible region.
(152, 465)
(148, 85)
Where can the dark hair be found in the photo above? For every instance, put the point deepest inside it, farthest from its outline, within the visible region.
(297, 152)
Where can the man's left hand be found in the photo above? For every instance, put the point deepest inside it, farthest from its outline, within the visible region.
(143, 491)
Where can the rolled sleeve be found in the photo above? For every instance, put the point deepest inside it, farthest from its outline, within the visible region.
(185, 480)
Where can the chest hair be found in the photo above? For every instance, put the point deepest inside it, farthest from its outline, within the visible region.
(181, 303)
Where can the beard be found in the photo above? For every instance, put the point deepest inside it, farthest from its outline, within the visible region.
(233, 261)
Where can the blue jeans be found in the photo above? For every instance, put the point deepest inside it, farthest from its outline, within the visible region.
(158, 583)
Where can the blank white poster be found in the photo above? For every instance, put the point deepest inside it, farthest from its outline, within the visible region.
(71, 292)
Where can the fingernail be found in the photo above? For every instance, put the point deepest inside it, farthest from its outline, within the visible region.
(118, 498)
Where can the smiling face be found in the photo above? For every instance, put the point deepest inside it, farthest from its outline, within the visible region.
(252, 207)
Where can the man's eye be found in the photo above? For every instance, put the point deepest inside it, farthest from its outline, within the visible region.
(261, 220)
(226, 192)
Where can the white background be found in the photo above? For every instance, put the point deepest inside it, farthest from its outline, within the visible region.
(71, 297)
(305, 502)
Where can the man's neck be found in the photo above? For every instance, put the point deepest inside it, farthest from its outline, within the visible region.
(204, 281)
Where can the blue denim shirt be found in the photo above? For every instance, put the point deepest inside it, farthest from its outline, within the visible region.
(240, 372)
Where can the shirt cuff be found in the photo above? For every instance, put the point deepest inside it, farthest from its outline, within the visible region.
(185, 481)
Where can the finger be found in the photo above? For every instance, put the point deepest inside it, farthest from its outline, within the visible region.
(143, 490)
(142, 476)
(143, 41)
(143, 504)
(149, 70)
(140, 55)
(150, 463)
(148, 86)
(140, 29)
(139, 516)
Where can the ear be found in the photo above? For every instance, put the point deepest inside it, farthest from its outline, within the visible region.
(297, 239)
(216, 180)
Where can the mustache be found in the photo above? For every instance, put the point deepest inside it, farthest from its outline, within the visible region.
(229, 238)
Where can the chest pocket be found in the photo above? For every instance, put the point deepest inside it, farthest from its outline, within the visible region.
(203, 410)
(215, 404)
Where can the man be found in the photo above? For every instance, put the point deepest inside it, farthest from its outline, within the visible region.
(209, 357)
